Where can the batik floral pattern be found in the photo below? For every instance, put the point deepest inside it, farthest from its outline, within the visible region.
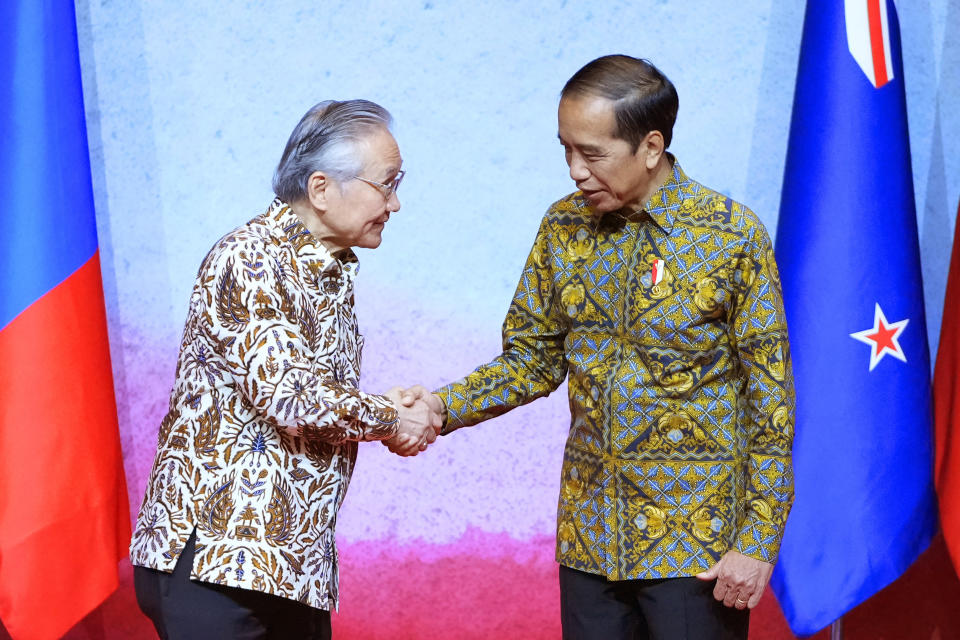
(257, 448)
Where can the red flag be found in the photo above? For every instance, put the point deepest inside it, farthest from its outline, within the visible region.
(64, 520)
(946, 399)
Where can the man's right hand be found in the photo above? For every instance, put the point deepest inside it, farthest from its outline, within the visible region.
(419, 392)
(420, 423)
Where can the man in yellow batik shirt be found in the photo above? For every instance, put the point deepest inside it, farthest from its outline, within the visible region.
(660, 299)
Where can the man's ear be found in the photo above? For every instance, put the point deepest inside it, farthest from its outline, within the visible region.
(651, 149)
(319, 189)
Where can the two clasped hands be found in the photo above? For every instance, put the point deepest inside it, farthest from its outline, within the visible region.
(421, 416)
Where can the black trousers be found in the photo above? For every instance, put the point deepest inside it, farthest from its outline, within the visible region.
(182, 609)
(592, 607)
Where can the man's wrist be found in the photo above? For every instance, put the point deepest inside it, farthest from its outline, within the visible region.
(443, 409)
(444, 414)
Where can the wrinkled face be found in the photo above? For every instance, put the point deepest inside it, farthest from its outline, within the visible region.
(356, 210)
(607, 171)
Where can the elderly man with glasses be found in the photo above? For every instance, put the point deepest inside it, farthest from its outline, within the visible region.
(235, 536)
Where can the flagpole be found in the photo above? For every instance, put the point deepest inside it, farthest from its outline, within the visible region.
(836, 629)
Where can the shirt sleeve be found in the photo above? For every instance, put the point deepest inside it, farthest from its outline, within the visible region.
(768, 405)
(532, 364)
(282, 356)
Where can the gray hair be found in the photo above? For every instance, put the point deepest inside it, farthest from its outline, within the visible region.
(325, 140)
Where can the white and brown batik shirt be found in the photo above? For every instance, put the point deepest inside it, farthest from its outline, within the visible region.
(257, 448)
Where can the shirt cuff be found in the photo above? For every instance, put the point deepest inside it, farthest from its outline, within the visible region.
(759, 539)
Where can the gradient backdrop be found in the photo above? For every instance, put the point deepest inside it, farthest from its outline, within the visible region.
(188, 108)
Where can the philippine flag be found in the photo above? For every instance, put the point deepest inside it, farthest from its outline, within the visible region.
(64, 521)
(865, 505)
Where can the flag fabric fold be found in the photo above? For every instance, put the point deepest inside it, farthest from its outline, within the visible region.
(64, 518)
(849, 259)
(946, 401)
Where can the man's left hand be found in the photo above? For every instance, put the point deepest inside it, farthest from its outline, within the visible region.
(740, 579)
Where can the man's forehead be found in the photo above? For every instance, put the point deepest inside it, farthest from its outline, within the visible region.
(586, 119)
(381, 152)
(392, 161)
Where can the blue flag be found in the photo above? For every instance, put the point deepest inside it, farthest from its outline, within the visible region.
(850, 266)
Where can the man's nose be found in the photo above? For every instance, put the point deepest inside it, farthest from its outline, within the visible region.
(578, 169)
(393, 202)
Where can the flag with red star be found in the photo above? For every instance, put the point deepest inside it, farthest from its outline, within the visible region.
(865, 506)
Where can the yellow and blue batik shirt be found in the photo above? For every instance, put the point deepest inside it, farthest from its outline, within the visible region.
(670, 322)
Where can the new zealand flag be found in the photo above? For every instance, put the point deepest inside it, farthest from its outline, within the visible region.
(850, 263)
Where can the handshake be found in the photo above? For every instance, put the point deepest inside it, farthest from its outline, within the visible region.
(421, 418)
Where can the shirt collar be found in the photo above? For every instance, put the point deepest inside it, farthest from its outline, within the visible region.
(665, 201)
(311, 253)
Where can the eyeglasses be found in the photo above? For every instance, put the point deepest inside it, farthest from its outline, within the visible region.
(386, 190)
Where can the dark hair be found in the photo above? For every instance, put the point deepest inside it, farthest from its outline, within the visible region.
(644, 99)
